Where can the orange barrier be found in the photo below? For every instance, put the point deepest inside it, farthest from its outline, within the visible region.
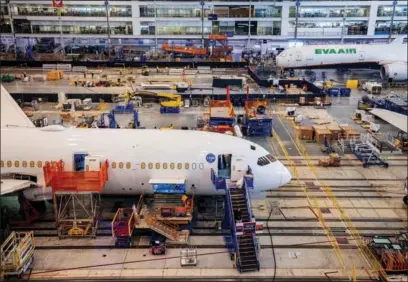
(185, 50)
(75, 181)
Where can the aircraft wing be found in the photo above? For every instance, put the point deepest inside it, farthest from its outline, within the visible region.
(14, 185)
(400, 121)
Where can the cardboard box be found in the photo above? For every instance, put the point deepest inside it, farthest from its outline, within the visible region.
(352, 134)
(335, 130)
(320, 135)
(305, 132)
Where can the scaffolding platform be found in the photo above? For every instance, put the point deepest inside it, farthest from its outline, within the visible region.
(164, 214)
(77, 213)
(76, 196)
(17, 254)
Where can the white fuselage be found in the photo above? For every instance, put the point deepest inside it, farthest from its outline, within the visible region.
(334, 55)
(151, 149)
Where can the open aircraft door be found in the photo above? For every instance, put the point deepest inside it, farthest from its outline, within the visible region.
(238, 168)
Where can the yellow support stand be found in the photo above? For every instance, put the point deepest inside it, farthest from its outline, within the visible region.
(352, 84)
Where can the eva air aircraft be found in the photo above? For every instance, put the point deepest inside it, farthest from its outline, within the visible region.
(391, 58)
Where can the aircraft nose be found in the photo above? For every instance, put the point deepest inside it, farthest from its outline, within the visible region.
(286, 176)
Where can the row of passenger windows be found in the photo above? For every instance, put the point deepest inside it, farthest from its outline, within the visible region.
(160, 165)
(38, 164)
(114, 165)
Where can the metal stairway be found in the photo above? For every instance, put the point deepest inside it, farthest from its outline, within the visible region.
(162, 228)
(246, 245)
(243, 247)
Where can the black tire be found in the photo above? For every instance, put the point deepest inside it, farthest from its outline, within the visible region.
(405, 199)
(386, 165)
(365, 165)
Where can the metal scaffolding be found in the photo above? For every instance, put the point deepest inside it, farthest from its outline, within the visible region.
(77, 213)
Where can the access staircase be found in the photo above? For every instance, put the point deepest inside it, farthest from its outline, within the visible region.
(162, 228)
(246, 243)
(242, 246)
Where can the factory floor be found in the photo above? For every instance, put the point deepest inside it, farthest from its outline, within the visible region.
(370, 197)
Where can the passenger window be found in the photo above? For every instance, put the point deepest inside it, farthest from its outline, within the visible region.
(128, 165)
(150, 165)
(2, 163)
(32, 164)
(120, 165)
(193, 166)
(179, 166)
(16, 163)
(24, 163)
(157, 165)
(39, 164)
(142, 165)
(164, 165)
(9, 163)
(186, 166)
(201, 166)
(172, 166)
(113, 164)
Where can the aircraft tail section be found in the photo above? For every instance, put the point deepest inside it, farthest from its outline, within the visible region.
(11, 113)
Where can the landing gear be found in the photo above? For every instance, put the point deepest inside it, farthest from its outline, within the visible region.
(30, 211)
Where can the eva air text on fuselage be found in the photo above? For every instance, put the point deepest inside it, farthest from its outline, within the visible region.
(335, 51)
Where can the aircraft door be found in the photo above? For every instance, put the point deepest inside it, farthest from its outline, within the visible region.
(298, 56)
(238, 168)
(79, 162)
(361, 56)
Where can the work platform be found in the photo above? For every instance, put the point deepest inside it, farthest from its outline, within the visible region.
(164, 214)
(76, 197)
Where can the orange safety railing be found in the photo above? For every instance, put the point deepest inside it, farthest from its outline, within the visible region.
(220, 104)
(123, 222)
(218, 36)
(75, 181)
(251, 107)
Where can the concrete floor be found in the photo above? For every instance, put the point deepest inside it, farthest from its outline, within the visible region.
(376, 210)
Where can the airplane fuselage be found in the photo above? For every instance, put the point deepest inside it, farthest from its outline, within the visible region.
(136, 156)
(341, 55)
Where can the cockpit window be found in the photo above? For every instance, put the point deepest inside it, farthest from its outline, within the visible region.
(271, 158)
(253, 147)
(265, 160)
(262, 161)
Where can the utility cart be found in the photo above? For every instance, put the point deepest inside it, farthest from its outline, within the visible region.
(122, 227)
(17, 254)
